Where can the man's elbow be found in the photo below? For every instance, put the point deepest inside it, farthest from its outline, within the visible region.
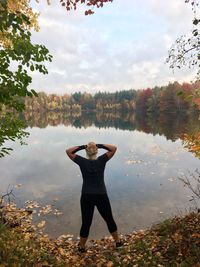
(114, 149)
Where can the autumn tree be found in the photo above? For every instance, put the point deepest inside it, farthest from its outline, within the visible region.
(18, 58)
(192, 143)
(185, 52)
(142, 100)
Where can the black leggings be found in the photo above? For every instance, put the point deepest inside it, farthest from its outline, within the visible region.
(88, 203)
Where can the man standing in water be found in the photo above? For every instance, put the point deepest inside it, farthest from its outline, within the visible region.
(94, 191)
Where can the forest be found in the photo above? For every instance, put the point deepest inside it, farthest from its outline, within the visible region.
(173, 98)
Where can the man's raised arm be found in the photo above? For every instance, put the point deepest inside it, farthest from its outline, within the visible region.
(111, 149)
(71, 152)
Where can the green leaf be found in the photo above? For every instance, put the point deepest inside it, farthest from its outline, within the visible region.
(196, 21)
(34, 92)
(180, 93)
(14, 84)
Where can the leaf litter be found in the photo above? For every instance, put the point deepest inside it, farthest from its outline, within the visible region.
(174, 242)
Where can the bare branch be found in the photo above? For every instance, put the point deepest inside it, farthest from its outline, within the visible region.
(186, 49)
(192, 181)
(7, 195)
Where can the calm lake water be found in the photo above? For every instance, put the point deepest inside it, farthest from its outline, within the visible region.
(141, 178)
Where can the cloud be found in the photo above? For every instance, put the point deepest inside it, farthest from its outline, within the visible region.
(122, 46)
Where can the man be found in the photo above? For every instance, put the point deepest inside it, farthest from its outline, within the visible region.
(94, 191)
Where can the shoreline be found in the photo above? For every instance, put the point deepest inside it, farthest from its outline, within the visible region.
(173, 242)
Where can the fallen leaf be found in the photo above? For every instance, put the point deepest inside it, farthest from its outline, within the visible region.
(41, 224)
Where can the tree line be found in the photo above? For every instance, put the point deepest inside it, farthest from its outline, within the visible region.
(173, 127)
(173, 98)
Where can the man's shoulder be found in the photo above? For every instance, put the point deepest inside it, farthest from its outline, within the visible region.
(78, 159)
(103, 157)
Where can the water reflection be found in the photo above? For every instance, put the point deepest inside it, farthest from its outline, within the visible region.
(141, 179)
(169, 125)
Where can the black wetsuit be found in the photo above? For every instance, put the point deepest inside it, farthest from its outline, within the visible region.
(94, 193)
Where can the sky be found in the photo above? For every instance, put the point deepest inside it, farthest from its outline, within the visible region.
(122, 46)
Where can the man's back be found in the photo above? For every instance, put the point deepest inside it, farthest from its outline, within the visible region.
(93, 174)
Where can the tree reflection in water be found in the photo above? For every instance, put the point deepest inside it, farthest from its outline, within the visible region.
(170, 125)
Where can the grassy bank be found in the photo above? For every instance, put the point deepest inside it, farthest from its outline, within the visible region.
(173, 242)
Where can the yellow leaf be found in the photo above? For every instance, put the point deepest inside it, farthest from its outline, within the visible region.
(18, 185)
(196, 235)
(41, 224)
(109, 264)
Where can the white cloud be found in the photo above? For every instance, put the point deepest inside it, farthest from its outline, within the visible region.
(121, 46)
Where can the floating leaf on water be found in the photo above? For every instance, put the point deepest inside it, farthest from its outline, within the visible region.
(18, 185)
(133, 161)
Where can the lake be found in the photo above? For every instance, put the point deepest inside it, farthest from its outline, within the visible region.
(141, 179)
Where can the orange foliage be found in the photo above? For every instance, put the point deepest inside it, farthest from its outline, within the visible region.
(192, 143)
(197, 102)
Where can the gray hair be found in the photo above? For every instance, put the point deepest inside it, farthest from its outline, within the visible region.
(91, 151)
